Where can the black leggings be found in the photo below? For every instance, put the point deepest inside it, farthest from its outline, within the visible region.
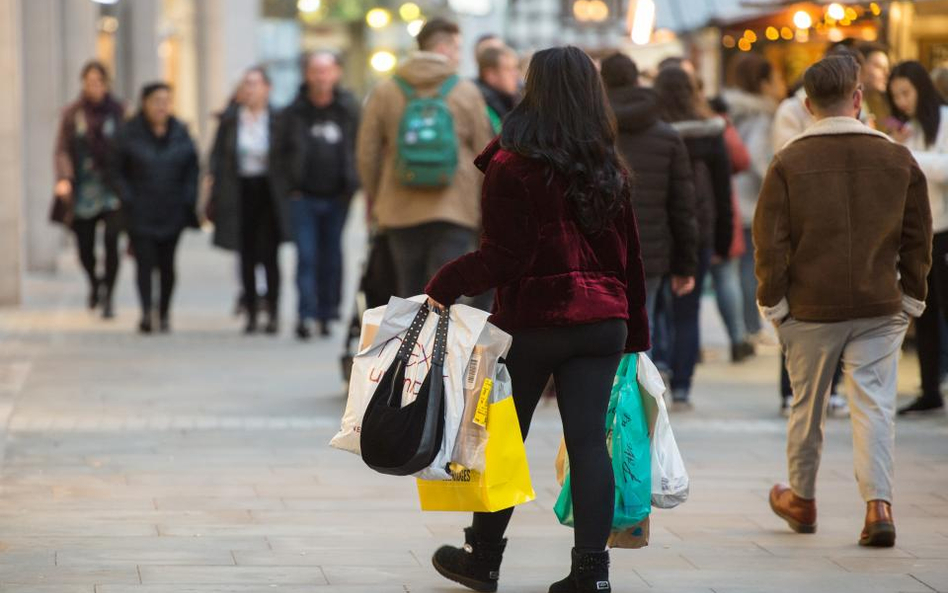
(85, 229)
(152, 253)
(928, 326)
(259, 241)
(583, 360)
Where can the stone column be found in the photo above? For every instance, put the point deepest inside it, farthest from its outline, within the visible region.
(11, 141)
(227, 38)
(43, 82)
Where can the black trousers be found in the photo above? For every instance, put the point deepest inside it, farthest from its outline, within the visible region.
(928, 326)
(583, 360)
(85, 230)
(259, 241)
(151, 254)
(420, 251)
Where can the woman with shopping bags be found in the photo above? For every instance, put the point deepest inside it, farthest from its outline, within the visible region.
(561, 247)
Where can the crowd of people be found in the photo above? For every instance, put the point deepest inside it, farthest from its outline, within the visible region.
(588, 205)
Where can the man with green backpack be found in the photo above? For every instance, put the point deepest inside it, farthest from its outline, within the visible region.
(420, 133)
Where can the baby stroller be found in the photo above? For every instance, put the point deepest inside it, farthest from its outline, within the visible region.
(376, 287)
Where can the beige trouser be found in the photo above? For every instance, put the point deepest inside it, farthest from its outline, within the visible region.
(869, 350)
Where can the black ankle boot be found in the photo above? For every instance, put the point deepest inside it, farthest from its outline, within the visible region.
(590, 574)
(476, 565)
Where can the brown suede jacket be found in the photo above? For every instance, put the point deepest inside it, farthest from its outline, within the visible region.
(843, 227)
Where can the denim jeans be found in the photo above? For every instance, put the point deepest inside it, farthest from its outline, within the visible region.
(687, 336)
(727, 290)
(752, 321)
(317, 228)
(420, 251)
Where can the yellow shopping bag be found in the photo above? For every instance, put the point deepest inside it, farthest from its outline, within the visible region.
(505, 481)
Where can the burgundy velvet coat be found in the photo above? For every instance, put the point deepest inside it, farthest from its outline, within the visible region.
(546, 271)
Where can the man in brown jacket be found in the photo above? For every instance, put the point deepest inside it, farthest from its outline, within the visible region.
(427, 227)
(843, 235)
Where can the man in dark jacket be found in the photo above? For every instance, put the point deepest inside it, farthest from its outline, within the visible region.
(499, 82)
(318, 144)
(663, 194)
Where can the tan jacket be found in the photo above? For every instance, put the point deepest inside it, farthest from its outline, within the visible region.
(395, 205)
(843, 228)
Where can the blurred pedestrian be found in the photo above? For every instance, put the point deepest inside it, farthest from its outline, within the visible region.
(726, 273)
(874, 75)
(429, 210)
(85, 149)
(249, 212)
(561, 246)
(916, 103)
(157, 173)
(318, 148)
(757, 90)
(499, 82)
(704, 139)
(841, 272)
(664, 193)
(940, 78)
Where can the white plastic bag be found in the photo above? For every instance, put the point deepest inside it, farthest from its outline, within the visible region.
(669, 478)
(481, 382)
(382, 332)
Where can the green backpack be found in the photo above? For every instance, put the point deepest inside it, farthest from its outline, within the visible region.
(427, 147)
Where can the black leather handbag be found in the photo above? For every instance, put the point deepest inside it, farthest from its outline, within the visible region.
(402, 440)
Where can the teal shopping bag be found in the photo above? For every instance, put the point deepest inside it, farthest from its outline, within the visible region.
(628, 442)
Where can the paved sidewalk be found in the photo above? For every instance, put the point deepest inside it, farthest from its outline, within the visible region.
(197, 463)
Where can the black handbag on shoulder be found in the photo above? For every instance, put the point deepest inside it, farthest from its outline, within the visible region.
(402, 440)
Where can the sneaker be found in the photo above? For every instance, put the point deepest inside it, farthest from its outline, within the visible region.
(680, 401)
(838, 407)
(325, 330)
(303, 330)
(741, 352)
(923, 406)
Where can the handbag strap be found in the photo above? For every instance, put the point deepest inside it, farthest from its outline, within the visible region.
(414, 331)
(441, 339)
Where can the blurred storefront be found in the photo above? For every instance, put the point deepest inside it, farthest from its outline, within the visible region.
(792, 35)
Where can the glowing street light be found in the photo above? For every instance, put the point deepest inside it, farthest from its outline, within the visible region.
(378, 18)
(309, 6)
(414, 27)
(409, 12)
(641, 21)
(802, 20)
(383, 61)
(835, 11)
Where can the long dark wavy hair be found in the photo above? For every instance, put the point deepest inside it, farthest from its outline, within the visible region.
(565, 121)
(928, 109)
(677, 95)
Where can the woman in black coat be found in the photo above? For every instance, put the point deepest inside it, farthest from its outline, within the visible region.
(246, 206)
(711, 165)
(158, 181)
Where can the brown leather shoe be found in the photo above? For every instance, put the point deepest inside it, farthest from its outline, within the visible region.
(799, 513)
(879, 531)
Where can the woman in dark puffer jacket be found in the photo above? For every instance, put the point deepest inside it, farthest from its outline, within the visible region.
(704, 138)
(561, 246)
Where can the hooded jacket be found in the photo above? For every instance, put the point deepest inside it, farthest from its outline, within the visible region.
(316, 146)
(398, 206)
(844, 229)
(753, 117)
(546, 270)
(663, 193)
(157, 178)
(711, 166)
